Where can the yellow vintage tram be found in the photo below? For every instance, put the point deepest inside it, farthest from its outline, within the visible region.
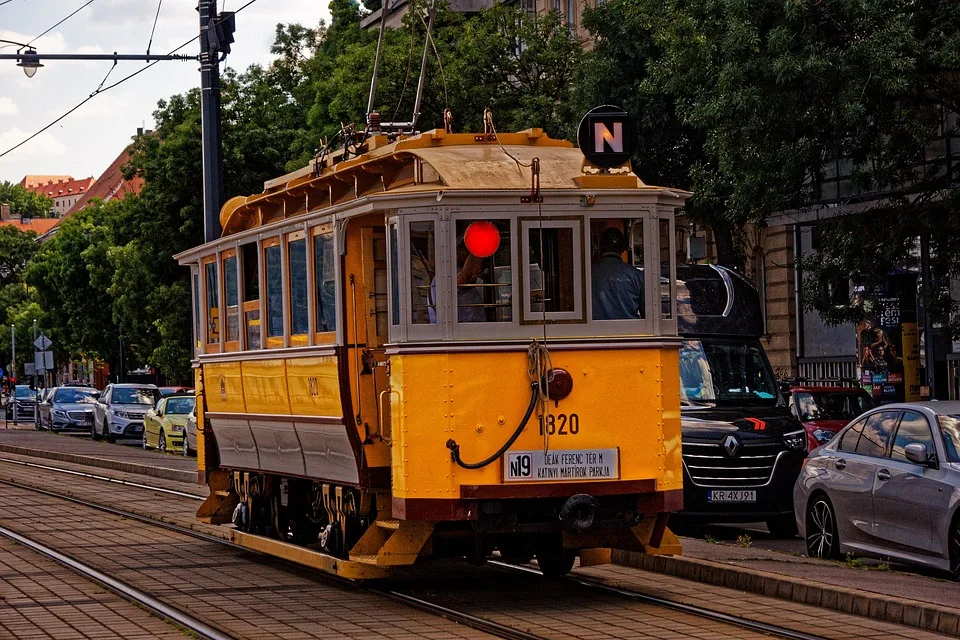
(441, 346)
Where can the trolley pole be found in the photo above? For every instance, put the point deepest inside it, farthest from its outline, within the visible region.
(210, 122)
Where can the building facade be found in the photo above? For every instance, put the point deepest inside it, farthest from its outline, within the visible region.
(64, 191)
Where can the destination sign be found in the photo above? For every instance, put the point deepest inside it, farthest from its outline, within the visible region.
(584, 464)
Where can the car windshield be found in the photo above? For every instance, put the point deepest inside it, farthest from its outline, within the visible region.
(67, 396)
(135, 396)
(725, 372)
(950, 429)
(26, 392)
(180, 406)
(831, 405)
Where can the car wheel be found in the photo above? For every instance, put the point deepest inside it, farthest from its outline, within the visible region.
(822, 538)
(143, 439)
(94, 434)
(162, 442)
(782, 527)
(106, 432)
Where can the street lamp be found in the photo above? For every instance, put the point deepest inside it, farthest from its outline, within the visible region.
(30, 62)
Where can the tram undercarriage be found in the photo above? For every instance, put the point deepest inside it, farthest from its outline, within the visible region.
(351, 528)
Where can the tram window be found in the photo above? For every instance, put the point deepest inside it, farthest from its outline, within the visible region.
(617, 274)
(666, 295)
(213, 315)
(394, 277)
(484, 271)
(299, 318)
(196, 309)
(423, 271)
(552, 255)
(274, 284)
(324, 262)
(231, 298)
(251, 272)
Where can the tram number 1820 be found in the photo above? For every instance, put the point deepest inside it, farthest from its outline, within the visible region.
(560, 424)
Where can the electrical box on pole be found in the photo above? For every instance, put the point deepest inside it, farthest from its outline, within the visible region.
(210, 49)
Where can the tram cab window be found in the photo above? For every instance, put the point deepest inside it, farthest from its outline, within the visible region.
(196, 311)
(213, 310)
(423, 271)
(667, 295)
(231, 299)
(299, 310)
(250, 265)
(617, 270)
(484, 271)
(273, 281)
(324, 263)
(552, 276)
(394, 276)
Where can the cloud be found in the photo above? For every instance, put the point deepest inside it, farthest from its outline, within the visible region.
(43, 145)
(8, 107)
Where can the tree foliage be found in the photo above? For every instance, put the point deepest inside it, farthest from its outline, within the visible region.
(24, 202)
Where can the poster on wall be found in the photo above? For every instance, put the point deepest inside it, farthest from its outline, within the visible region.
(888, 352)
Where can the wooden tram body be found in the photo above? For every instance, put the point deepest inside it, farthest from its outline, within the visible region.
(339, 354)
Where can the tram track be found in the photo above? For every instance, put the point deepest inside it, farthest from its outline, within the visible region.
(422, 604)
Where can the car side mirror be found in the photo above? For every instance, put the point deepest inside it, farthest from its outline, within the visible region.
(917, 454)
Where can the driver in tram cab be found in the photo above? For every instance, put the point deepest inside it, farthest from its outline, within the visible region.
(469, 298)
(617, 286)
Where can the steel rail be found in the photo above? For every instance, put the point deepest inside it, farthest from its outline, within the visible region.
(124, 590)
(717, 616)
(466, 619)
(469, 620)
(95, 476)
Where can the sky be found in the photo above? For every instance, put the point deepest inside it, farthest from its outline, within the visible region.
(86, 142)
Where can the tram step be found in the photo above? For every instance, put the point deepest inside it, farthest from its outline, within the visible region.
(388, 524)
(364, 558)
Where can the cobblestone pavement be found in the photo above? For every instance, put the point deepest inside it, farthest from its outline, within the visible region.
(40, 599)
(255, 597)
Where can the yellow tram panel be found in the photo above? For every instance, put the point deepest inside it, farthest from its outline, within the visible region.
(265, 386)
(224, 385)
(313, 386)
(479, 406)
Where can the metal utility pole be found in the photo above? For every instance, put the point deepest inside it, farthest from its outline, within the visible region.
(210, 121)
(35, 352)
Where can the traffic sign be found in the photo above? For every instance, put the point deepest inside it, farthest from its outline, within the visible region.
(29, 369)
(43, 343)
(43, 361)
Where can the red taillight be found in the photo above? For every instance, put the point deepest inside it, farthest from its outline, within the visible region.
(561, 384)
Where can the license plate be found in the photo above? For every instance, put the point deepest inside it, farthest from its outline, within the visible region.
(732, 495)
(537, 466)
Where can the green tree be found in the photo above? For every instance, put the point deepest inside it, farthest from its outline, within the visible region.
(16, 249)
(24, 202)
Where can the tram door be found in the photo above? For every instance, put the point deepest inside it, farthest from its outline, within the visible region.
(366, 280)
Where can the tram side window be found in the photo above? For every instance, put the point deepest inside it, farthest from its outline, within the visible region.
(213, 315)
(324, 262)
(484, 276)
(617, 274)
(299, 319)
(196, 309)
(423, 271)
(666, 296)
(552, 271)
(274, 284)
(231, 296)
(394, 277)
(250, 262)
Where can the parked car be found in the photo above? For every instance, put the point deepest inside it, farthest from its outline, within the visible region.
(190, 434)
(119, 411)
(825, 410)
(25, 400)
(43, 402)
(163, 424)
(68, 409)
(887, 486)
(169, 391)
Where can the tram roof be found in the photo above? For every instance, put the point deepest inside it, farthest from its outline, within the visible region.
(424, 162)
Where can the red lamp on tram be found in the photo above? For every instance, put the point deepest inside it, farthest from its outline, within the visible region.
(482, 238)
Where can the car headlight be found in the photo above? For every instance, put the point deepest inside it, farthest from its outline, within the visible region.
(795, 440)
(176, 428)
(822, 436)
(59, 413)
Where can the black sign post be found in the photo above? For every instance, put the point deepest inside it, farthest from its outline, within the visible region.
(607, 136)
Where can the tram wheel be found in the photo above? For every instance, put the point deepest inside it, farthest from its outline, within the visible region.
(516, 553)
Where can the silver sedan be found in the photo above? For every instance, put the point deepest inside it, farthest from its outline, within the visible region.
(887, 486)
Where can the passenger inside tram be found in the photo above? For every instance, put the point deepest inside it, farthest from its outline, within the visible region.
(617, 286)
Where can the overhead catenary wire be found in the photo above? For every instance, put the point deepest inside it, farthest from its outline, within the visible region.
(111, 86)
(5, 2)
(75, 12)
(153, 29)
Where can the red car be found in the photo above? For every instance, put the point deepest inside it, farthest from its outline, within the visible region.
(825, 410)
(169, 391)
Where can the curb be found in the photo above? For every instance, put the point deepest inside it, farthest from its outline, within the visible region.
(164, 473)
(911, 613)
